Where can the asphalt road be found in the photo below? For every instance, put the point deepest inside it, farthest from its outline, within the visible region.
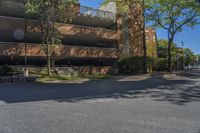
(135, 104)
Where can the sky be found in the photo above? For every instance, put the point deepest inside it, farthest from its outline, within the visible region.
(189, 36)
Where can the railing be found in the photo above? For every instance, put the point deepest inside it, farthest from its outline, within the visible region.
(96, 13)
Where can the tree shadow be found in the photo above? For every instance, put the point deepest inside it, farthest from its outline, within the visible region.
(192, 74)
(156, 87)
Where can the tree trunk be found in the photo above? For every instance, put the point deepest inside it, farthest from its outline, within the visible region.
(169, 60)
(169, 54)
(52, 63)
(144, 39)
(48, 65)
(145, 53)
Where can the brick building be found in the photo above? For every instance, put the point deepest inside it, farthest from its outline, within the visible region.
(91, 43)
(151, 42)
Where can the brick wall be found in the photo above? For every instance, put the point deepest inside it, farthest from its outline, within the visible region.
(17, 49)
(76, 71)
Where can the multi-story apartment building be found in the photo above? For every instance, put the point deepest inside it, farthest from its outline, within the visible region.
(91, 43)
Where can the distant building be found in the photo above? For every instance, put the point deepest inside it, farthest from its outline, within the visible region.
(151, 42)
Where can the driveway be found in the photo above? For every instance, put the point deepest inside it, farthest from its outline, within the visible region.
(157, 103)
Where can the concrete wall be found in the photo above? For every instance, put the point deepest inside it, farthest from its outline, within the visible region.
(12, 8)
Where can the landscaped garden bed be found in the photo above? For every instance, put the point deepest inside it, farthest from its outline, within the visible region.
(9, 74)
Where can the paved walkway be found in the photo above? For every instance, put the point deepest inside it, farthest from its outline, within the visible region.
(157, 103)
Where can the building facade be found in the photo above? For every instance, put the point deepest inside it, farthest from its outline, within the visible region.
(91, 43)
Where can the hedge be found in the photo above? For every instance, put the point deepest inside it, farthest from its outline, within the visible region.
(134, 64)
(6, 70)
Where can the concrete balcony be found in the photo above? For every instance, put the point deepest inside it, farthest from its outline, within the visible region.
(11, 30)
(60, 52)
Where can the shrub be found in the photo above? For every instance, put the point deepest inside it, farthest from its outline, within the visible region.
(133, 64)
(160, 64)
(6, 70)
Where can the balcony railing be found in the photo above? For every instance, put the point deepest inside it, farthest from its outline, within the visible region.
(88, 11)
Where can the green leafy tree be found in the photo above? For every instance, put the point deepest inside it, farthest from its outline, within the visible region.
(198, 59)
(176, 54)
(189, 57)
(163, 46)
(48, 13)
(172, 15)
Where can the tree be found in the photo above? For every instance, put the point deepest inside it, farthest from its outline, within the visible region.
(129, 8)
(171, 15)
(48, 13)
(197, 3)
(189, 57)
(198, 59)
(162, 48)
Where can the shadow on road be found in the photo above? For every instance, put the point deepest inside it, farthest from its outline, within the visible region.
(179, 91)
(192, 74)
